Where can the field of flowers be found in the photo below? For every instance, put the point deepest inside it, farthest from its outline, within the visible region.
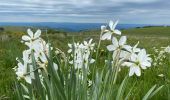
(110, 65)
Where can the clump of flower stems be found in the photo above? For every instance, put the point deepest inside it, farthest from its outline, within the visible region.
(47, 73)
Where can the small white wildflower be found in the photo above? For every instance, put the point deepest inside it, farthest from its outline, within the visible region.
(161, 75)
(137, 61)
(31, 36)
(108, 33)
(121, 44)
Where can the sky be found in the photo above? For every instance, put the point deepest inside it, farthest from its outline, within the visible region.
(86, 11)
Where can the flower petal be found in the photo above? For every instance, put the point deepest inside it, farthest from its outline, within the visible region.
(106, 36)
(128, 64)
(111, 47)
(122, 40)
(37, 34)
(43, 57)
(103, 28)
(142, 55)
(128, 48)
(55, 66)
(137, 70)
(115, 42)
(132, 71)
(146, 63)
(69, 51)
(92, 61)
(28, 79)
(117, 32)
(30, 33)
(111, 25)
(26, 38)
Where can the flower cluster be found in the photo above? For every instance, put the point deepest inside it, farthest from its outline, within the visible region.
(81, 54)
(40, 49)
(160, 55)
(132, 57)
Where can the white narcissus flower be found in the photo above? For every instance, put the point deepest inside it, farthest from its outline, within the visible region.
(108, 33)
(137, 61)
(34, 45)
(89, 44)
(81, 54)
(125, 55)
(31, 36)
(121, 44)
(40, 50)
(112, 26)
(21, 70)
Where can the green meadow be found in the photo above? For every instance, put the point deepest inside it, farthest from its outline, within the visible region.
(148, 37)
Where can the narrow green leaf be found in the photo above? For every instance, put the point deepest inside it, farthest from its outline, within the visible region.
(121, 89)
(147, 95)
(156, 91)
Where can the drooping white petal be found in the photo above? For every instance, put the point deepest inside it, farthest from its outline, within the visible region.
(26, 38)
(137, 70)
(127, 47)
(128, 64)
(106, 36)
(132, 71)
(122, 40)
(30, 33)
(37, 34)
(146, 63)
(117, 32)
(111, 47)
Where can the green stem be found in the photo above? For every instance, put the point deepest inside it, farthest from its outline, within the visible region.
(97, 53)
(117, 67)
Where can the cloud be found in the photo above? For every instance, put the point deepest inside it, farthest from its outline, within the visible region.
(127, 11)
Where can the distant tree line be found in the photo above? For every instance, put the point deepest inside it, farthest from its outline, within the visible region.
(1, 29)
